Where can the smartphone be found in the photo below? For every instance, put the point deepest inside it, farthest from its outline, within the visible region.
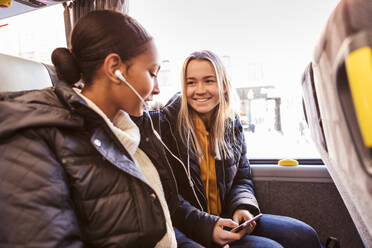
(244, 224)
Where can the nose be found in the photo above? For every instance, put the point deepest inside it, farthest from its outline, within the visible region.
(200, 89)
(155, 89)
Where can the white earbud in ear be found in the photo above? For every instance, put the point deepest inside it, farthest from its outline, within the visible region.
(119, 75)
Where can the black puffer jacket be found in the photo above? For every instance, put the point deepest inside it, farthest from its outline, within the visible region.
(233, 177)
(66, 181)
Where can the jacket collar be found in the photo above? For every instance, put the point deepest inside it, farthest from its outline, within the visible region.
(68, 96)
(76, 104)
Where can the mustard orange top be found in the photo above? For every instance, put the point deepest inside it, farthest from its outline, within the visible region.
(208, 170)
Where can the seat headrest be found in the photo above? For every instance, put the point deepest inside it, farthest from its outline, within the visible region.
(18, 74)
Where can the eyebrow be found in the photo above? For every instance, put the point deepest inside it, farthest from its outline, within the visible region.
(208, 76)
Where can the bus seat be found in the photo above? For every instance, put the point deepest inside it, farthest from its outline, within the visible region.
(342, 67)
(18, 74)
(311, 109)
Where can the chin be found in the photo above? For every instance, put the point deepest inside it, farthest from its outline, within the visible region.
(136, 113)
(203, 110)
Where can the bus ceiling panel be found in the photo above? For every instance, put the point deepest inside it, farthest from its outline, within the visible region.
(18, 7)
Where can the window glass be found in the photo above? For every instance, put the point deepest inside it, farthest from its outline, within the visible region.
(33, 35)
(265, 45)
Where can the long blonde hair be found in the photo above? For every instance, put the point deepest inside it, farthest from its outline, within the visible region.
(226, 109)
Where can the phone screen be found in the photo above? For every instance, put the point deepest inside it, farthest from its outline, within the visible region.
(241, 226)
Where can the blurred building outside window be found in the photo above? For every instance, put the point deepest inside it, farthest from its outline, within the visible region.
(264, 44)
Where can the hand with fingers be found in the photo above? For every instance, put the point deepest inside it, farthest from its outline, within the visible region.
(224, 237)
(242, 215)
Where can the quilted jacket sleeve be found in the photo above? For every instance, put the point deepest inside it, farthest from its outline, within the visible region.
(196, 224)
(241, 195)
(35, 204)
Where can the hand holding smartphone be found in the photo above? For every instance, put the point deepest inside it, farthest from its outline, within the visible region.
(244, 224)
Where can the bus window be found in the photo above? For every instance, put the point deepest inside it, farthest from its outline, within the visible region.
(33, 35)
(264, 51)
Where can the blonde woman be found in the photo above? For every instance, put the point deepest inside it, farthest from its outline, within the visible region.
(214, 178)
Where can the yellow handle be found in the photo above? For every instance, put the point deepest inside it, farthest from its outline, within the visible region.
(288, 162)
(359, 71)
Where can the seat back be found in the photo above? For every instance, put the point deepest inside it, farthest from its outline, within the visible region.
(18, 74)
(342, 68)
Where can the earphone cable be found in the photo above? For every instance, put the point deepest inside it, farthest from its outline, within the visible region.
(187, 171)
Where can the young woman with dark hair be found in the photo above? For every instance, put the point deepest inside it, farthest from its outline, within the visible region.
(74, 170)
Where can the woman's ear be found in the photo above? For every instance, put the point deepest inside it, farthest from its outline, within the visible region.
(112, 63)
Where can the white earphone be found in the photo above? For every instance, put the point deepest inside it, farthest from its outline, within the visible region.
(157, 135)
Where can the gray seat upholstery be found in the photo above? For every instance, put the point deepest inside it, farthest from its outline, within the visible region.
(335, 127)
(18, 74)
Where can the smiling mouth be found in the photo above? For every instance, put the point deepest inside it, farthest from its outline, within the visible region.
(201, 99)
